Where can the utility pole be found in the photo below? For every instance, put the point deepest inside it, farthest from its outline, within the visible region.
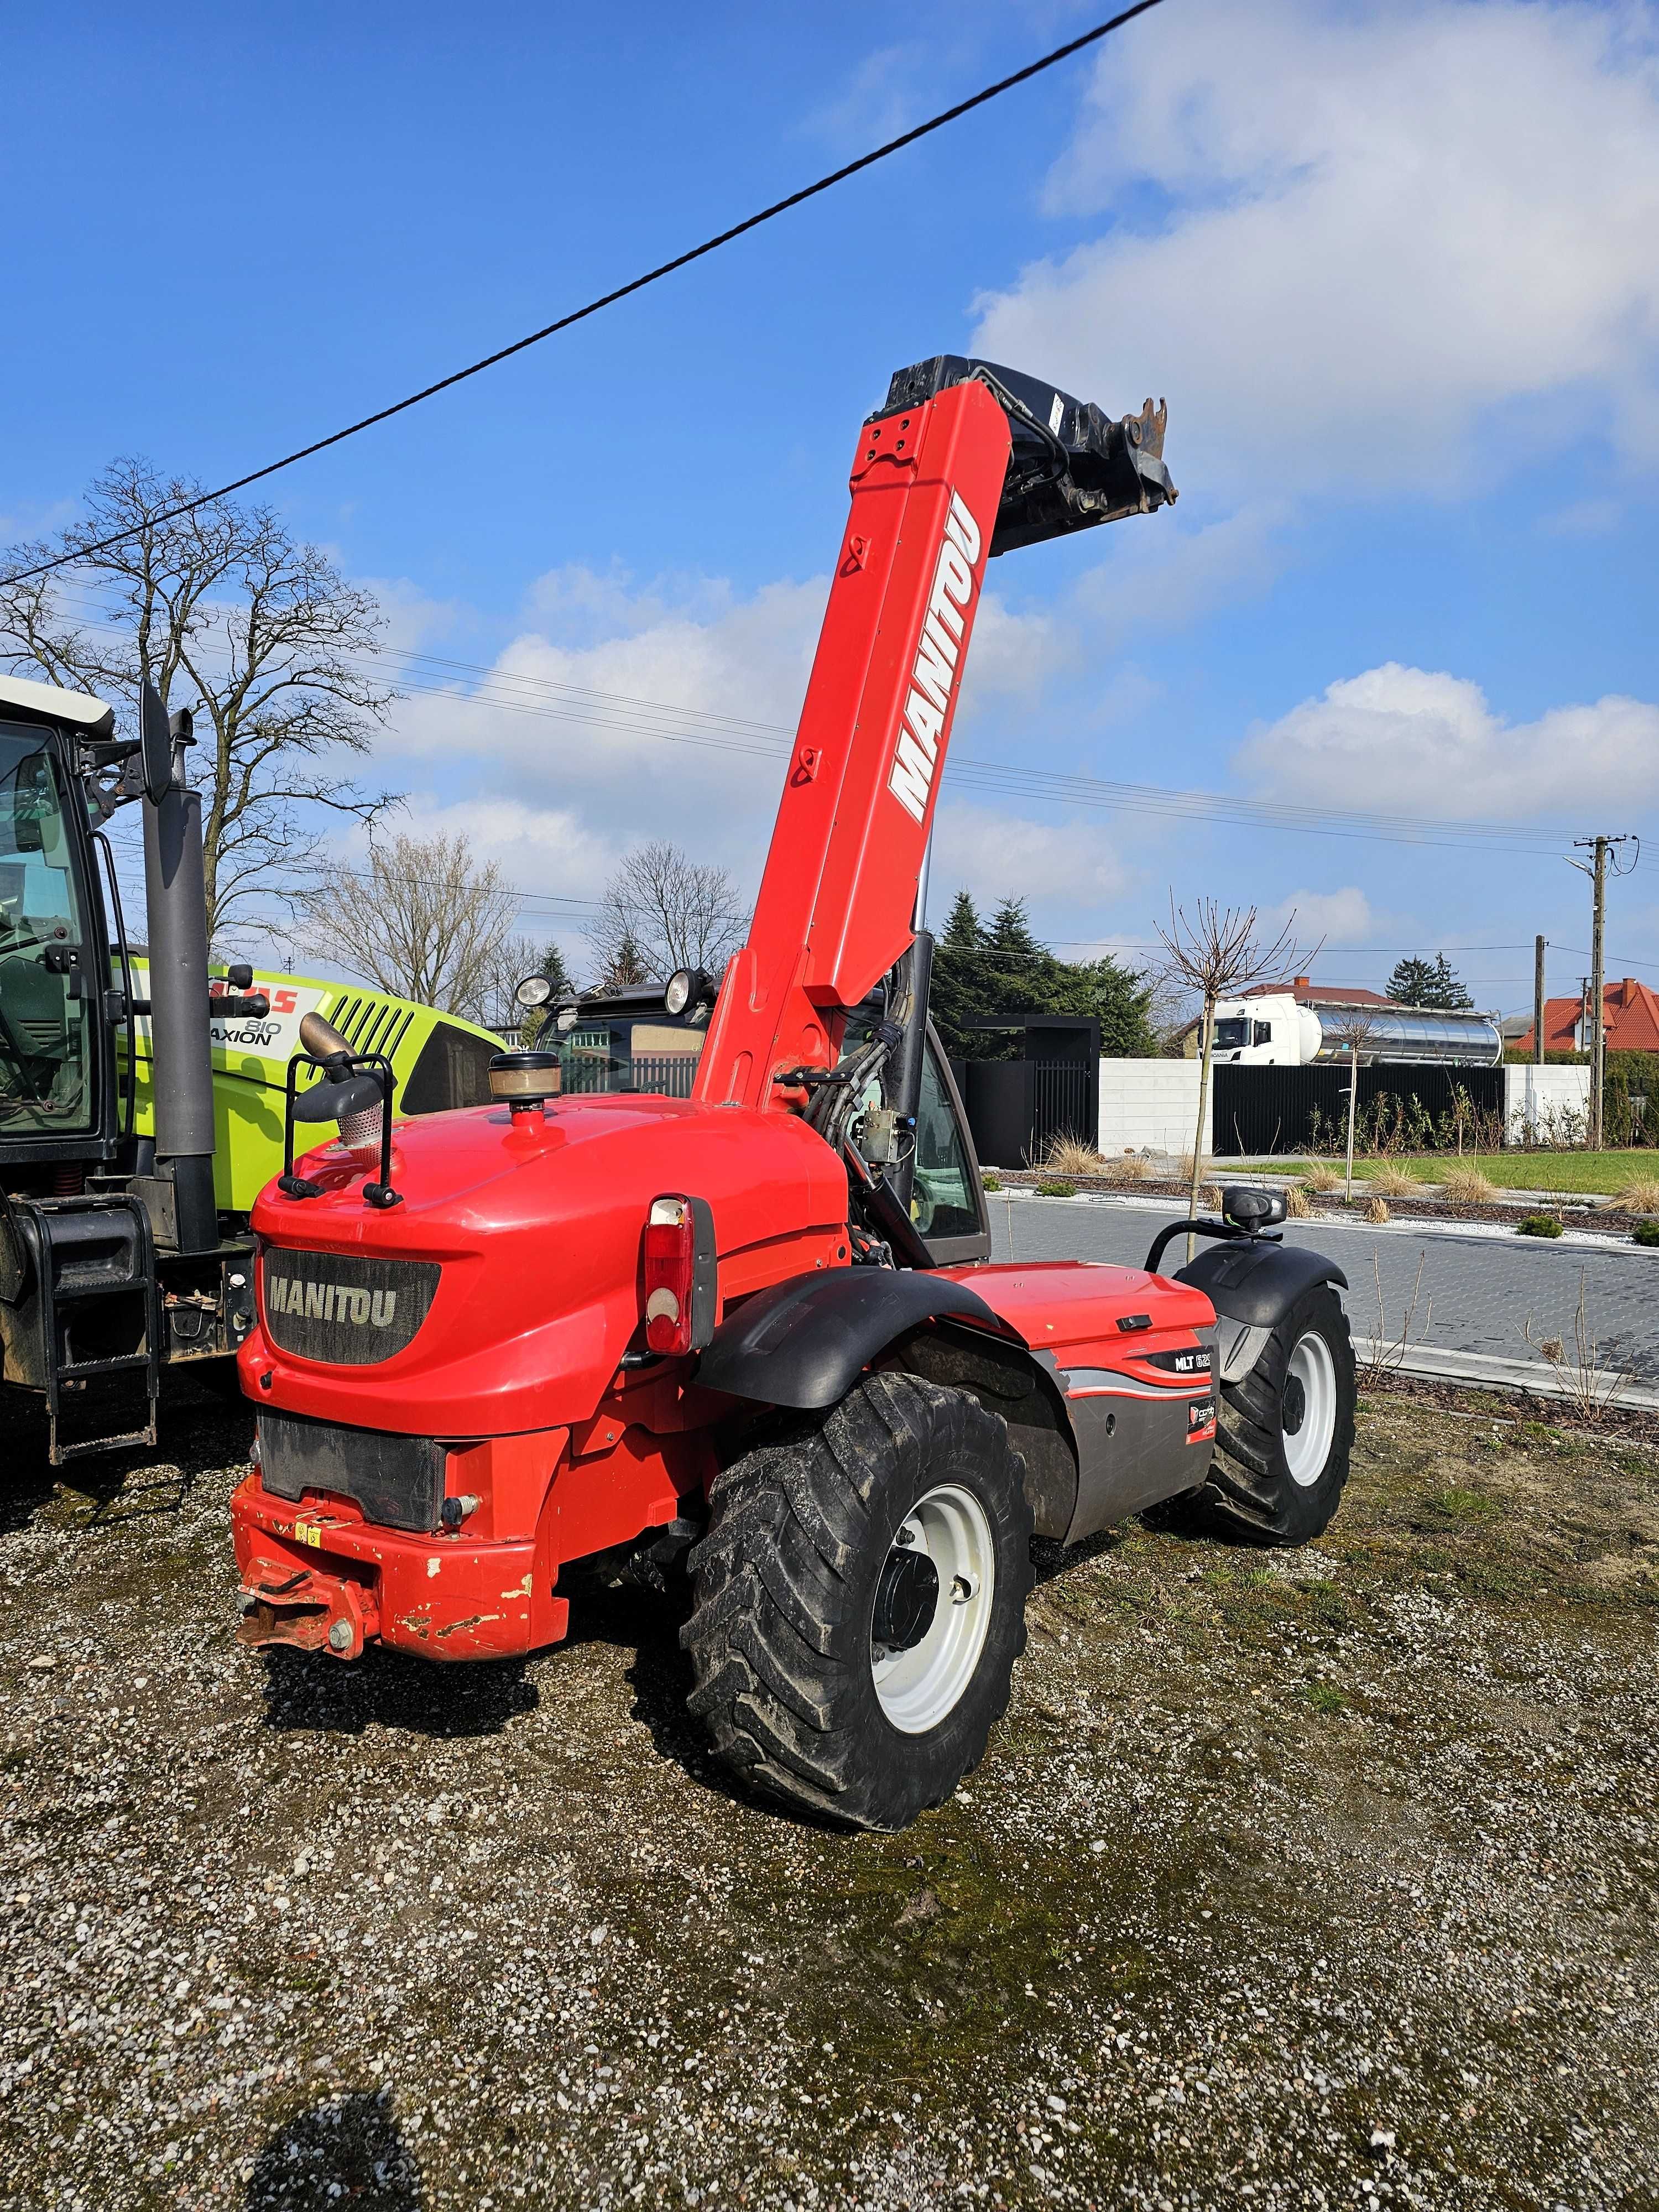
(1537, 1002)
(1596, 869)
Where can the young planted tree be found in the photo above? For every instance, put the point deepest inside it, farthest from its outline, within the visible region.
(425, 921)
(263, 638)
(661, 911)
(1353, 1028)
(1217, 951)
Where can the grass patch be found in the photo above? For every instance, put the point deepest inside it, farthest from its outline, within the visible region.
(1590, 1173)
(1057, 1186)
(1455, 1504)
(1325, 1698)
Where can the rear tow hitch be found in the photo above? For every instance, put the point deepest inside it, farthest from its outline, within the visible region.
(308, 1612)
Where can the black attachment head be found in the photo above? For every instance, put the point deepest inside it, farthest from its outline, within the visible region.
(1072, 466)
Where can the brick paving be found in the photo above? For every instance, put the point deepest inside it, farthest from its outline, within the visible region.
(1483, 1289)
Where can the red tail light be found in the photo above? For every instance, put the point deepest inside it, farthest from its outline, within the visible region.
(670, 1268)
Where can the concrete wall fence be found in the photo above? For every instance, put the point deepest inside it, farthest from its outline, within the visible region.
(1151, 1105)
(1546, 1103)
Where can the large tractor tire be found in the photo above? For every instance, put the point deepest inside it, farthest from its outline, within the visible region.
(859, 1602)
(1285, 1430)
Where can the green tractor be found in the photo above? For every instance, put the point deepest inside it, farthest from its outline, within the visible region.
(142, 1096)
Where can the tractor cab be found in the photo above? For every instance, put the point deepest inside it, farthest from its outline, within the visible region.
(640, 1037)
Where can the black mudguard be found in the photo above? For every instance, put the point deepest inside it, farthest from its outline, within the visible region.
(805, 1343)
(1256, 1283)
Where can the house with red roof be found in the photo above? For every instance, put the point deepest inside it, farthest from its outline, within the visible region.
(1630, 1012)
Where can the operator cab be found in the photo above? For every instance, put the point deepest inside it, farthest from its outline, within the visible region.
(54, 1057)
(46, 1066)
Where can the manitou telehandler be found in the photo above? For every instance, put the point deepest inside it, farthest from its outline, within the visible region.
(754, 1324)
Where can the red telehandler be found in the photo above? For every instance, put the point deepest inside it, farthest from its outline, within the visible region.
(753, 1326)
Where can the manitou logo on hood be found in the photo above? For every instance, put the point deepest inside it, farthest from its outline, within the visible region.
(933, 680)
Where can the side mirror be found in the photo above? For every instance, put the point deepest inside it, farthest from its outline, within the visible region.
(155, 745)
(1252, 1209)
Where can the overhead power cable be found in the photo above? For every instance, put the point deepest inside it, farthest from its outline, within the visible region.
(621, 291)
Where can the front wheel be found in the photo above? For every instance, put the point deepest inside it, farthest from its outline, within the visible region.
(1286, 1430)
(859, 1602)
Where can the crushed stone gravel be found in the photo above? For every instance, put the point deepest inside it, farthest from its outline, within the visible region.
(1318, 1880)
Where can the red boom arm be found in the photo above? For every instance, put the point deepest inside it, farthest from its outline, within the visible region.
(837, 901)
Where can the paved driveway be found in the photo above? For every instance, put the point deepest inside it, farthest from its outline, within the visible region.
(1483, 1289)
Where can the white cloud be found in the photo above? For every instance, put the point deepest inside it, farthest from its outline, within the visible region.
(1338, 918)
(1381, 223)
(1068, 866)
(1410, 741)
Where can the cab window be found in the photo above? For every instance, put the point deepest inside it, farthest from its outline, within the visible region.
(45, 1039)
(452, 1070)
(658, 1057)
(942, 1198)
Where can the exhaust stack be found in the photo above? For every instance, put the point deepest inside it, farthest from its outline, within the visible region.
(181, 1065)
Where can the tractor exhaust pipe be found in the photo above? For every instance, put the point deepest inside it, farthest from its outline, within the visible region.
(181, 1064)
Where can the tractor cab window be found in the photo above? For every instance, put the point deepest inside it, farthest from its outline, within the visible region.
(1262, 1033)
(943, 1202)
(616, 1052)
(1231, 1036)
(452, 1070)
(45, 1036)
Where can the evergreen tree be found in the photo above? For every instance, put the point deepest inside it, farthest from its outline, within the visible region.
(1433, 983)
(1004, 971)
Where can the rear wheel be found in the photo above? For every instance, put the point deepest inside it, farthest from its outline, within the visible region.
(1286, 1430)
(859, 1602)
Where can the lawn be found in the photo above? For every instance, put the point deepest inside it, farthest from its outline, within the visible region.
(1570, 1171)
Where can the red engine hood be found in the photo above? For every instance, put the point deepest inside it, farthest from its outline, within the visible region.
(536, 1226)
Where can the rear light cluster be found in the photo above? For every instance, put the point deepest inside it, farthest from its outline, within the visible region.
(670, 1267)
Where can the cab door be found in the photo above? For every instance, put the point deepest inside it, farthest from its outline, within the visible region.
(947, 1198)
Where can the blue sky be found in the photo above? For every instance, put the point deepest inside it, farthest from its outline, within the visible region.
(1392, 265)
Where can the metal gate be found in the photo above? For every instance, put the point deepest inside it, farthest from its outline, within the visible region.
(1259, 1111)
(1017, 1109)
(1062, 1103)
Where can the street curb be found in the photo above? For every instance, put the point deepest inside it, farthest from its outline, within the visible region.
(1526, 1378)
(1406, 1225)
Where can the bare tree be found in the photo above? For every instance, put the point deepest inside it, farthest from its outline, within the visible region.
(669, 911)
(1353, 1028)
(430, 923)
(263, 638)
(1216, 951)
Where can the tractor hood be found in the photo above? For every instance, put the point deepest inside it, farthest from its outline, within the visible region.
(502, 1290)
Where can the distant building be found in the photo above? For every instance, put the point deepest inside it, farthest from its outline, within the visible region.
(1630, 1009)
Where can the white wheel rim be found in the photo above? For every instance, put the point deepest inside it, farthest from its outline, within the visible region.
(1309, 1449)
(918, 1687)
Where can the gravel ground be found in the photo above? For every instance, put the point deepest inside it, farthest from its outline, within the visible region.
(1318, 1880)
